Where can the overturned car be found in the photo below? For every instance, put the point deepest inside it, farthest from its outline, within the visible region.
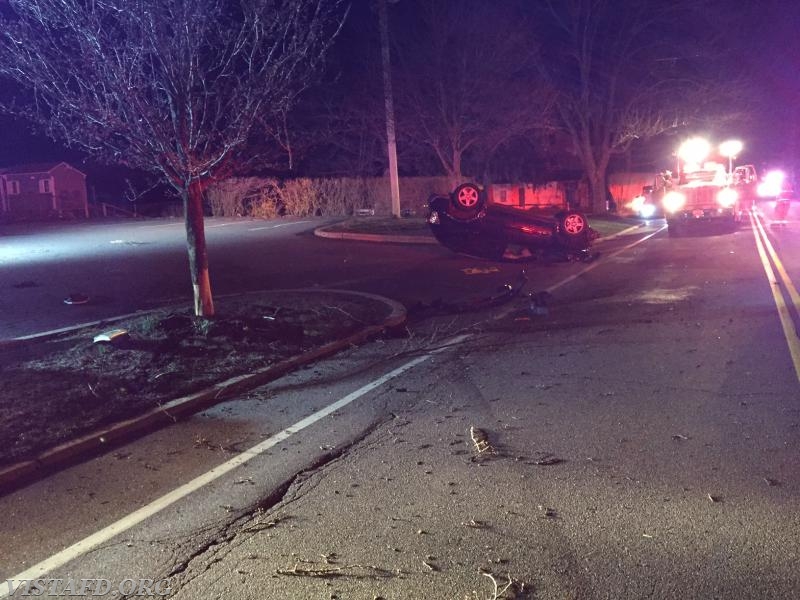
(464, 222)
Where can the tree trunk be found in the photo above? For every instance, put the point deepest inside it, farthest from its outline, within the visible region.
(456, 177)
(596, 163)
(196, 245)
(598, 192)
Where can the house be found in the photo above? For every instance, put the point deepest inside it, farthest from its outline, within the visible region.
(43, 190)
(528, 195)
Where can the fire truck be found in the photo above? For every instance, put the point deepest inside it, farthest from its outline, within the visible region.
(704, 192)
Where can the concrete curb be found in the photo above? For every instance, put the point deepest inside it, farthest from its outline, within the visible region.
(70, 452)
(373, 237)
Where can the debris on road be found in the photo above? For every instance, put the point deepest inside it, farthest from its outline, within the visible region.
(110, 336)
(481, 441)
(547, 512)
(430, 566)
(475, 524)
(538, 303)
(503, 294)
(76, 299)
(546, 460)
(361, 571)
(512, 588)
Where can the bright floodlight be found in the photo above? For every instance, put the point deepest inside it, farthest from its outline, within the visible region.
(673, 201)
(772, 184)
(730, 148)
(694, 150)
(727, 197)
(647, 211)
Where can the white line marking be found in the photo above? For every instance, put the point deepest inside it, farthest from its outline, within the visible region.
(124, 524)
(597, 263)
(278, 225)
(69, 328)
(161, 225)
(504, 313)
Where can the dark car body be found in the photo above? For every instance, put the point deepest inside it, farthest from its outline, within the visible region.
(464, 222)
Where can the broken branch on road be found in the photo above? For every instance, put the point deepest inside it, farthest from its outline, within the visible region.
(368, 571)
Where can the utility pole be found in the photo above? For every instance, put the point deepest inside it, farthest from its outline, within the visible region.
(391, 140)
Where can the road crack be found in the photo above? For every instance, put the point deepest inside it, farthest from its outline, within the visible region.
(214, 549)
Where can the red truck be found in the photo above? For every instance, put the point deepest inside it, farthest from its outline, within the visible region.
(709, 195)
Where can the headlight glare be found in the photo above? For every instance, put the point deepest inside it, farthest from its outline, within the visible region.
(673, 201)
(727, 197)
(647, 211)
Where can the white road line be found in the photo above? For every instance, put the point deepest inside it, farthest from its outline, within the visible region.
(597, 263)
(104, 535)
(176, 223)
(504, 313)
(78, 326)
(278, 225)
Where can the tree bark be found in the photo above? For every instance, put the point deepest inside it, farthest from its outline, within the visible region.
(596, 168)
(455, 174)
(597, 193)
(196, 246)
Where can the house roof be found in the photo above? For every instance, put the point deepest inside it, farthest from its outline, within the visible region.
(35, 168)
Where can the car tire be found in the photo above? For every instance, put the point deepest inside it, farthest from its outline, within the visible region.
(466, 201)
(573, 229)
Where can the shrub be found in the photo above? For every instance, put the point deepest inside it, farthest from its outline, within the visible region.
(243, 196)
(269, 198)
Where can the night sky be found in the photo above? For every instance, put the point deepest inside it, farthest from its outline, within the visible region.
(766, 47)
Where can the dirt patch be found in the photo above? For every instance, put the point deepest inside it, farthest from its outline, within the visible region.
(52, 391)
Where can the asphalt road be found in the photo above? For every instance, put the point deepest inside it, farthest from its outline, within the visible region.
(645, 434)
(124, 267)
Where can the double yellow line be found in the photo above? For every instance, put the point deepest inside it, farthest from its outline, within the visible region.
(766, 252)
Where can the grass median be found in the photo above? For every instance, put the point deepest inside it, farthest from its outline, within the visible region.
(382, 225)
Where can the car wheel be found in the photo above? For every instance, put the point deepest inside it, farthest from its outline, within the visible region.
(573, 229)
(467, 201)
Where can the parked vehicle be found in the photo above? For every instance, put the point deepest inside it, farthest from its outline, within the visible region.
(646, 204)
(464, 222)
(776, 199)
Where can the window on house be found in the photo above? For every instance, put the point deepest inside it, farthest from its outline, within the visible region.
(45, 187)
(13, 187)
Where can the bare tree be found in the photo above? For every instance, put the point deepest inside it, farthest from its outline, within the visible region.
(173, 87)
(465, 82)
(626, 71)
